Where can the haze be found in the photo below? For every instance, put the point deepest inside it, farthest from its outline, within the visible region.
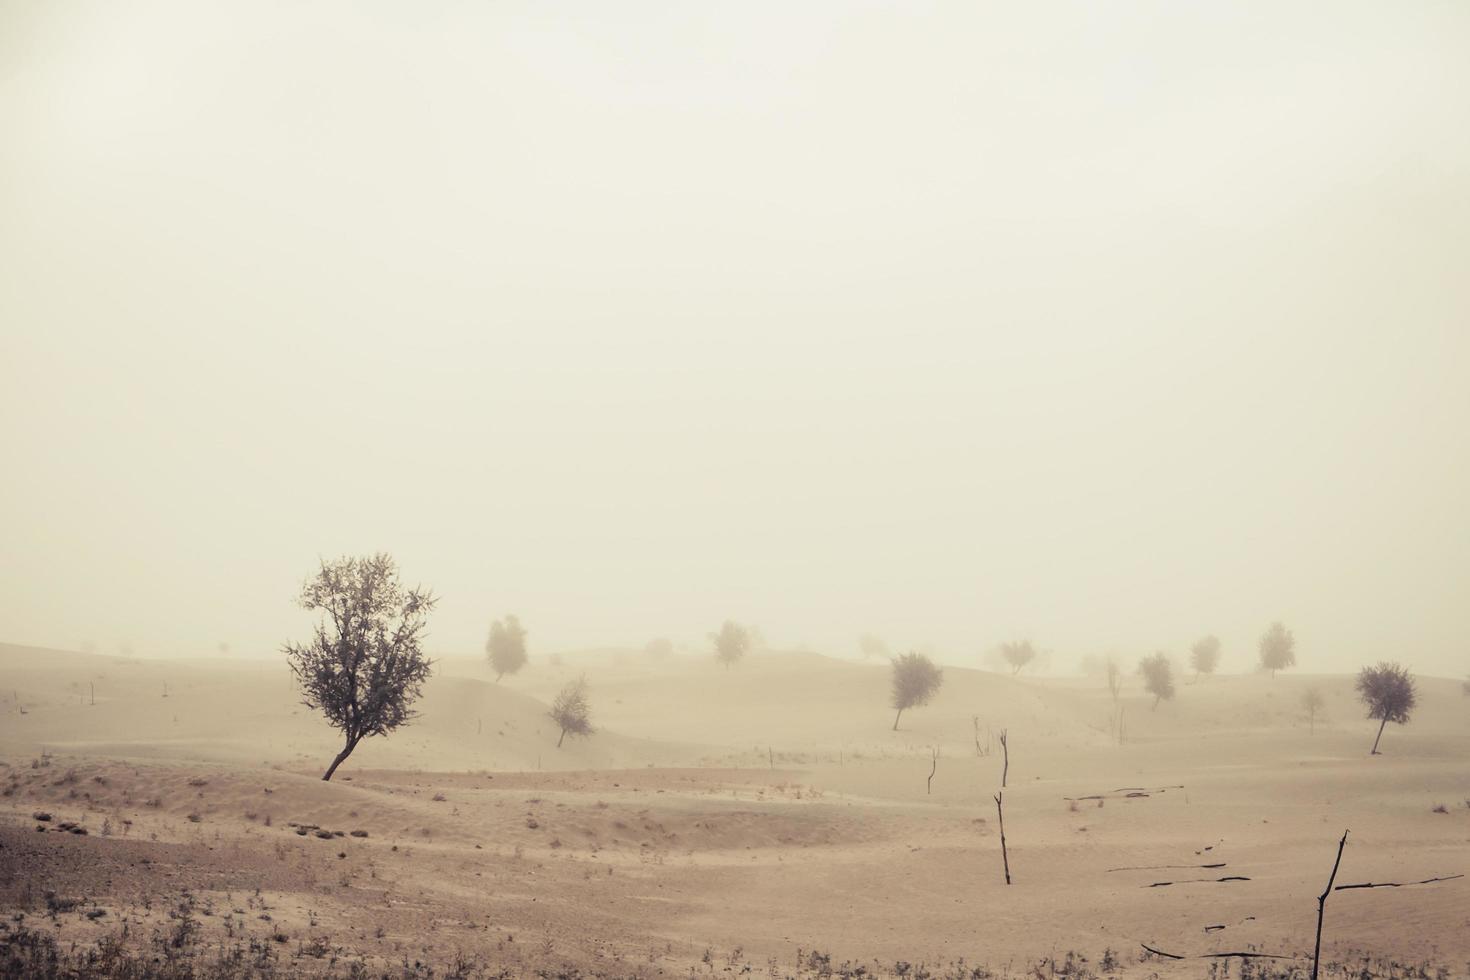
(952, 323)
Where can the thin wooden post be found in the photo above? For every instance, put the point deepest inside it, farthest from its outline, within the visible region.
(1001, 816)
(1004, 747)
(933, 767)
(1322, 905)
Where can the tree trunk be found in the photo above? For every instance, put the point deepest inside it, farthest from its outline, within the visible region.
(1380, 735)
(341, 758)
(896, 717)
(562, 739)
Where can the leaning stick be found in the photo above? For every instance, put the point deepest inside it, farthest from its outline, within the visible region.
(933, 767)
(1001, 816)
(1396, 884)
(1160, 952)
(1322, 904)
(1004, 747)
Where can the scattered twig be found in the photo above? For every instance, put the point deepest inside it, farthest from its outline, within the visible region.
(1160, 952)
(1396, 884)
(1169, 867)
(1322, 905)
(1005, 748)
(1195, 881)
(1258, 956)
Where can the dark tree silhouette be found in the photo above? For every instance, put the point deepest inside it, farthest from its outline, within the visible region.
(1158, 677)
(1312, 702)
(731, 643)
(1018, 655)
(1388, 692)
(871, 646)
(915, 681)
(506, 647)
(363, 668)
(571, 710)
(1278, 649)
(1204, 656)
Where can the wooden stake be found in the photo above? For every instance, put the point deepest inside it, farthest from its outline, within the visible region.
(933, 767)
(1004, 747)
(1322, 904)
(1001, 816)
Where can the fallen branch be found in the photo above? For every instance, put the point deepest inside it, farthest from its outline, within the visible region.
(933, 767)
(1396, 884)
(1195, 881)
(1169, 867)
(1001, 817)
(1160, 952)
(1258, 956)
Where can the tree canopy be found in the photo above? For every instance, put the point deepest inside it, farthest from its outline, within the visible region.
(915, 681)
(731, 643)
(506, 646)
(363, 667)
(1018, 654)
(1158, 677)
(572, 711)
(1204, 656)
(1388, 692)
(1277, 648)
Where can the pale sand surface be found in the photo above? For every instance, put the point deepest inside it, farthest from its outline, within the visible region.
(767, 809)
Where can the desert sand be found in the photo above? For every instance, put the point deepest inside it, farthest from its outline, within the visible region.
(760, 820)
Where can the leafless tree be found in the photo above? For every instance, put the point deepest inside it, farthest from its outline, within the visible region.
(1115, 678)
(1388, 692)
(915, 681)
(732, 642)
(1312, 702)
(1018, 654)
(506, 647)
(1204, 656)
(571, 710)
(363, 668)
(1158, 677)
(1277, 649)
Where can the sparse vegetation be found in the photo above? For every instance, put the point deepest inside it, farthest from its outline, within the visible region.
(915, 681)
(364, 667)
(1312, 702)
(1387, 690)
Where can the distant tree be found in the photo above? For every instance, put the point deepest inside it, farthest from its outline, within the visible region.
(506, 647)
(1018, 654)
(871, 646)
(571, 710)
(915, 681)
(1204, 656)
(1465, 688)
(1312, 702)
(731, 643)
(1388, 692)
(363, 668)
(659, 648)
(1278, 649)
(1115, 677)
(1158, 677)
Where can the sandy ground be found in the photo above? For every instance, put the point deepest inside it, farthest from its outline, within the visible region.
(730, 822)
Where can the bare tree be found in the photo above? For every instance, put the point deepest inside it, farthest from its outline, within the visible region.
(363, 668)
(915, 681)
(506, 647)
(1277, 649)
(571, 710)
(1115, 677)
(1312, 702)
(871, 646)
(1388, 691)
(1204, 656)
(1158, 677)
(1017, 654)
(732, 642)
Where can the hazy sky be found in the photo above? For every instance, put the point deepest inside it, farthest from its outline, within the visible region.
(1107, 324)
